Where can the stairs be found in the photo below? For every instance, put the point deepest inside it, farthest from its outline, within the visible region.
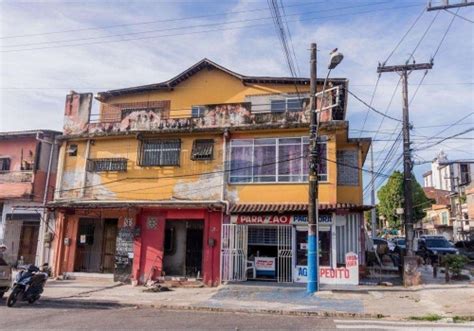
(177, 281)
(89, 276)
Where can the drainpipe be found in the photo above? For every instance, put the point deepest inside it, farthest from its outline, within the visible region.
(45, 215)
(84, 180)
(225, 135)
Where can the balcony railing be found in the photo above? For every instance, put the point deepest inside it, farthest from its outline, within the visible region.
(7, 177)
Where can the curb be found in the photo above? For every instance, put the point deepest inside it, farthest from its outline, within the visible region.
(107, 304)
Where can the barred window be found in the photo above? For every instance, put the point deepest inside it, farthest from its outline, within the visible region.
(160, 152)
(108, 164)
(203, 149)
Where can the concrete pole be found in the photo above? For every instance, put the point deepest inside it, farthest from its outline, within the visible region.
(313, 256)
(373, 214)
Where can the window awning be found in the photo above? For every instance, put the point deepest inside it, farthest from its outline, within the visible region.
(302, 207)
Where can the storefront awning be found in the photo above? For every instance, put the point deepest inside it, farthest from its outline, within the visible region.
(301, 207)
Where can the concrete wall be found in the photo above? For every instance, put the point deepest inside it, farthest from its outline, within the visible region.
(174, 263)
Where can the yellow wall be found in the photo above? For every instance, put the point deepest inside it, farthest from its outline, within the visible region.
(150, 183)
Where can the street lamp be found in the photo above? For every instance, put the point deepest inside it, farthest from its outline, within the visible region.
(313, 206)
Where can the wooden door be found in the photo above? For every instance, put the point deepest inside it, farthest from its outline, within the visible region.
(28, 242)
(109, 243)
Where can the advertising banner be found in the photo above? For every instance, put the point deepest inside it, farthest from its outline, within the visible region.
(348, 275)
(278, 219)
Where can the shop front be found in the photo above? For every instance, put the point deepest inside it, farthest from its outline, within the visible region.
(273, 247)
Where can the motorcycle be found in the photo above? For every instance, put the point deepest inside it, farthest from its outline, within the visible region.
(28, 285)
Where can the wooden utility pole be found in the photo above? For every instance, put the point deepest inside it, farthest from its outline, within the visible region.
(447, 5)
(313, 256)
(409, 260)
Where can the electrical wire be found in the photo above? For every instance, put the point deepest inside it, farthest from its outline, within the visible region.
(461, 17)
(200, 32)
(372, 108)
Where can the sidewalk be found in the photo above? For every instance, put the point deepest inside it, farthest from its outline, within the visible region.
(363, 302)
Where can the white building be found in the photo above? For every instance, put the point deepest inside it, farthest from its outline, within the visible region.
(444, 173)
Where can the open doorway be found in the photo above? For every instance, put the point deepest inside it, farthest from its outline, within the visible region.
(96, 241)
(183, 245)
(28, 242)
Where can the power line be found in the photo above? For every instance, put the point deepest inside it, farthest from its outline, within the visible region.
(370, 103)
(444, 35)
(404, 36)
(446, 138)
(202, 31)
(155, 21)
(372, 108)
(461, 17)
(186, 27)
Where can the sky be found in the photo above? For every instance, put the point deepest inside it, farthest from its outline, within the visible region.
(48, 48)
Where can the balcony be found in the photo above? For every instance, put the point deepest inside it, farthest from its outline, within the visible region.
(7, 177)
(213, 117)
(16, 184)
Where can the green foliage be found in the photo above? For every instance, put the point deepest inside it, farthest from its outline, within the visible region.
(429, 317)
(391, 197)
(455, 263)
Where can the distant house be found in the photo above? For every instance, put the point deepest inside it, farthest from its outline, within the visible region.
(451, 180)
(28, 162)
(438, 219)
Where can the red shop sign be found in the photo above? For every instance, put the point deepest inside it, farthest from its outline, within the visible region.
(263, 219)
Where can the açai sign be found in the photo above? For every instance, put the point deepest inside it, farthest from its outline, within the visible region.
(348, 275)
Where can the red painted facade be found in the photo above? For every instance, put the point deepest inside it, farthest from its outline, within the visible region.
(149, 245)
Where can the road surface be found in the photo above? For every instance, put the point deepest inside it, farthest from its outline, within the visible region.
(62, 315)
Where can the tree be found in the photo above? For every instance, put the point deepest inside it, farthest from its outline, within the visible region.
(391, 197)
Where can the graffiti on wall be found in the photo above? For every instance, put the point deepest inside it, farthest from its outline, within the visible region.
(124, 118)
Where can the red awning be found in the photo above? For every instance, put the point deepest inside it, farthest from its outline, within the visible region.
(300, 207)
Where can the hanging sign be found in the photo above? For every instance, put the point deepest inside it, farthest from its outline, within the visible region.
(348, 275)
(278, 219)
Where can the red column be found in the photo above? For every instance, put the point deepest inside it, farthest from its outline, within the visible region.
(148, 247)
(211, 248)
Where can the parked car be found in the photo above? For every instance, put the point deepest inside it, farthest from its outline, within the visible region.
(5, 277)
(400, 245)
(430, 248)
(466, 248)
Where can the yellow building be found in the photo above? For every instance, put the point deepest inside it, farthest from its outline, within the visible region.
(205, 175)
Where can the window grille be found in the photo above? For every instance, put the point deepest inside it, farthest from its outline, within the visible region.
(108, 164)
(128, 111)
(203, 149)
(160, 152)
(288, 104)
(262, 236)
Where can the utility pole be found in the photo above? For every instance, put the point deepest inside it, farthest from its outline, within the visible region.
(409, 259)
(447, 5)
(459, 207)
(373, 213)
(313, 205)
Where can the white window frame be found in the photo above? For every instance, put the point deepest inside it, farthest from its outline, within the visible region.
(304, 141)
(200, 110)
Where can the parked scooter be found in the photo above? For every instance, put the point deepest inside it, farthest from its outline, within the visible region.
(28, 285)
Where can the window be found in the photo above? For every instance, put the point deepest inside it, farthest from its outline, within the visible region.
(72, 150)
(347, 168)
(270, 160)
(465, 176)
(444, 218)
(4, 163)
(197, 111)
(289, 104)
(127, 111)
(203, 149)
(109, 164)
(159, 152)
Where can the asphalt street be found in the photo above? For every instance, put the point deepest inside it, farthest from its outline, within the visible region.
(65, 315)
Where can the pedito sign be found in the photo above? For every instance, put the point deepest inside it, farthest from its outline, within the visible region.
(348, 275)
(278, 219)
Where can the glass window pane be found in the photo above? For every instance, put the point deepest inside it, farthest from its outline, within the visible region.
(265, 141)
(242, 142)
(241, 161)
(289, 141)
(289, 163)
(278, 106)
(264, 161)
(294, 104)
